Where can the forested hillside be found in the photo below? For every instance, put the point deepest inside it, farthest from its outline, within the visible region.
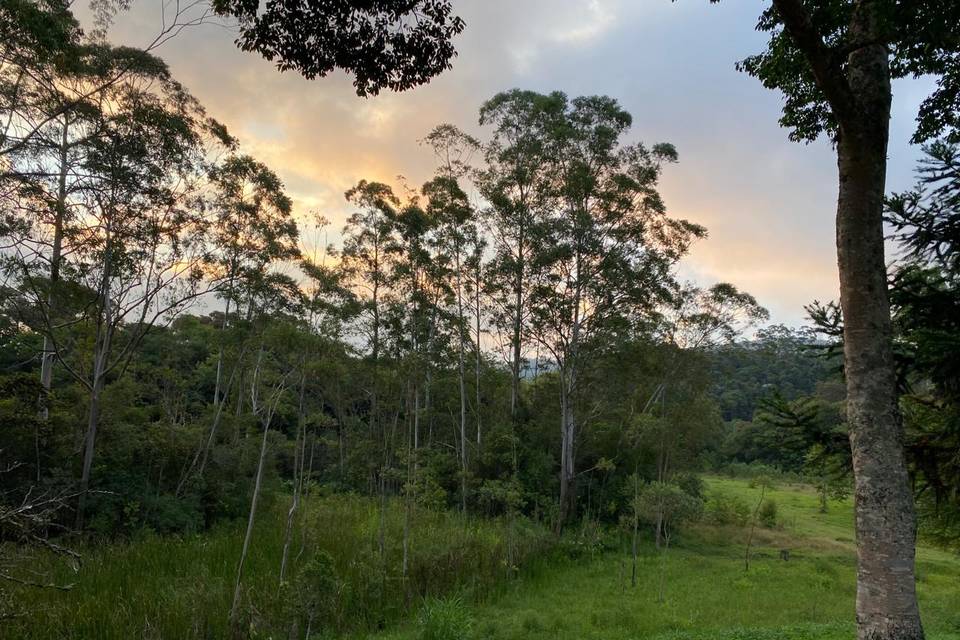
(472, 383)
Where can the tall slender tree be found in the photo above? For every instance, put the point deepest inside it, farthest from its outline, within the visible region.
(516, 183)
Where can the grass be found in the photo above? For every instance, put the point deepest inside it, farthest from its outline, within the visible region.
(708, 593)
(180, 588)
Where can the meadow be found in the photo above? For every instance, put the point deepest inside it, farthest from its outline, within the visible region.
(488, 579)
(708, 594)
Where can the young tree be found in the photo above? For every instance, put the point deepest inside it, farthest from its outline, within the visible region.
(834, 62)
(668, 507)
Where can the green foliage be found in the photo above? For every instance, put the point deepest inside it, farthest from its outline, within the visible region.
(778, 358)
(384, 46)
(920, 36)
(767, 515)
(726, 509)
(692, 484)
(830, 475)
(444, 619)
(181, 586)
(806, 598)
(667, 504)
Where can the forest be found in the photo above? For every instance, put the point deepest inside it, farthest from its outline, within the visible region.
(491, 405)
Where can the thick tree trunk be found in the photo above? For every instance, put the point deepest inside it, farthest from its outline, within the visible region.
(885, 519)
(859, 94)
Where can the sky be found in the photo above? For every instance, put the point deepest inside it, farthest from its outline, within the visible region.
(767, 203)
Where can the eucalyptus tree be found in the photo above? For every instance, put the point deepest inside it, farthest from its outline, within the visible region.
(459, 231)
(39, 40)
(604, 254)
(253, 229)
(142, 248)
(370, 247)
(49, 167)
(367, 255)
(517, 183)
(107, 175)
(450, 207)
(834, 62)
(43, 41)
(476, 267)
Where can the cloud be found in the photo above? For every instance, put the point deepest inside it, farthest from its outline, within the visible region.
(600, 16)
(768, 203)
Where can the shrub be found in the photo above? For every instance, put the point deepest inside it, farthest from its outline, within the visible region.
(445, 619)
(726, 509)
(763, 480)
(693, 485)
(768, 513)
(318, 589)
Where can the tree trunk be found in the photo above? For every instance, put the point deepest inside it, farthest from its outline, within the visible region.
(479, 354)
(248, 536)
(49, 349)
(636, 526)
(567, 471)
(885, 518)
(860, 98)
(297, 475)
(462, 379)
(223, 330)
(101, 351)
(89, 443)
(515, 340)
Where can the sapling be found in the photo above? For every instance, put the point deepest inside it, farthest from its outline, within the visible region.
(670, 506)
(764, 482)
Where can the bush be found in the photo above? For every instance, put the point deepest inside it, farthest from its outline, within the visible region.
(768, 513)
(444, 619)
(693, 485)
(726, 509)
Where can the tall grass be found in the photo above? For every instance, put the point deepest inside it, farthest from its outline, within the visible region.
(181, 587)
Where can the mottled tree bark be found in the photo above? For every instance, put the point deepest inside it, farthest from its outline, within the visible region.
(858, 90)
(885, 519)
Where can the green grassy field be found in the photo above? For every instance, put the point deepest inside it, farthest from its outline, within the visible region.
(708, 593)
(179, 588)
